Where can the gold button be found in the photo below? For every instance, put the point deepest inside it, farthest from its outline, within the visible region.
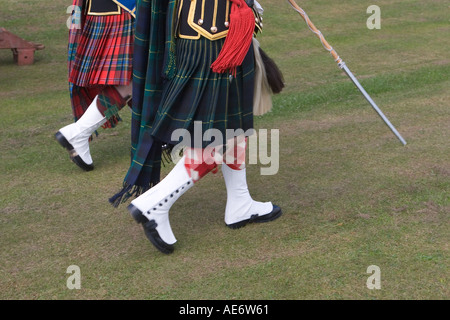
(213, 29)
(200, 22)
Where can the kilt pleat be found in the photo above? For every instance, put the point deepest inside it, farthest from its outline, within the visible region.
(104, 51)
(196, 93)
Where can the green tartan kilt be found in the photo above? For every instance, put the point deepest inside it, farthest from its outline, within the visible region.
(196, 93)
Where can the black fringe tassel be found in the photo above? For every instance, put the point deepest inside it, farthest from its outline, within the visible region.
(166, 153)
(126, 193)
(132, 191)
(274, 75)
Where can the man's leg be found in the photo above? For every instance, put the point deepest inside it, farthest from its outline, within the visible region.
(75, 137)
(151, 209)
(241, 209)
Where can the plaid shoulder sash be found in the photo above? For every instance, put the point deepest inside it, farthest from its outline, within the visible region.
(152, 46)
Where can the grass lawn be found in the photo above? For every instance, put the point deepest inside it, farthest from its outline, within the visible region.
(351, 194)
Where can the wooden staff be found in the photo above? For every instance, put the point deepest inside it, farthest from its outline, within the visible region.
(344, 67)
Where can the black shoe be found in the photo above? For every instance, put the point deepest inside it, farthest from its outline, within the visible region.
(72, 153)
(274, 214)
(150, 230)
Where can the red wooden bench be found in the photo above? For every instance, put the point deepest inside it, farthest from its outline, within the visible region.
(23, 51)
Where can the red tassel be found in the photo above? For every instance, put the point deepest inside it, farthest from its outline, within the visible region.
(238, 40)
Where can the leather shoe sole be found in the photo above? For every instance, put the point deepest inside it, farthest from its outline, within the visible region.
(150, 230)
(72, 153)
(274, 214)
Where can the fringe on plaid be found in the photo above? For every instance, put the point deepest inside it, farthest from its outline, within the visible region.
(166, 156)
(145, 165)
(109, 103)
(170, 66)
(128, 191)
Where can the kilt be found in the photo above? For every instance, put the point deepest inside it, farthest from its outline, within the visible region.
(169, 96)
(100, 53)
(196, 93)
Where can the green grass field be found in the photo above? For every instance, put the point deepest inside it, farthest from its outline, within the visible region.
(351, 194)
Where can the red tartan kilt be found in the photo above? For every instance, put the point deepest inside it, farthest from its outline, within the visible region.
(104, 51)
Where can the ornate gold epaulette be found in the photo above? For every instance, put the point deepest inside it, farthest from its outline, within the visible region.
(258, 20)
(207, 18)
